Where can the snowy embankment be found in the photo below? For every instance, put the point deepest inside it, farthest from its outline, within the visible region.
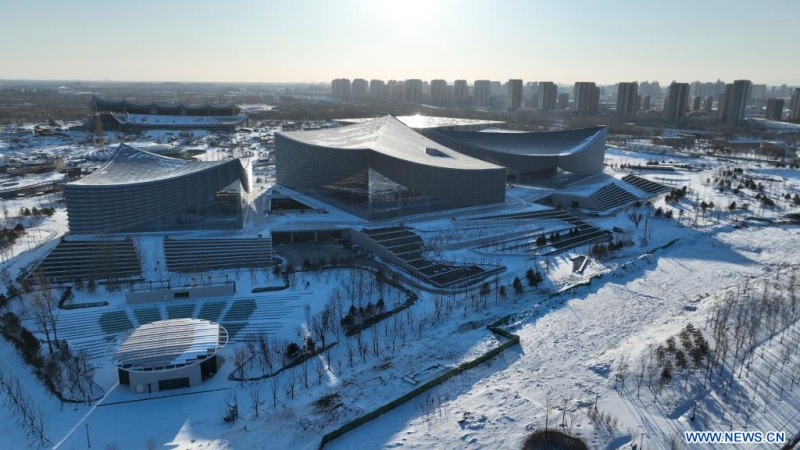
(570, 350)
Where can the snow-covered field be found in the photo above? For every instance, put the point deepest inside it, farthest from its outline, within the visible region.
(571, 348)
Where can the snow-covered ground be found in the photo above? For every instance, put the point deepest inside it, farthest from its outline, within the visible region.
(571, 345)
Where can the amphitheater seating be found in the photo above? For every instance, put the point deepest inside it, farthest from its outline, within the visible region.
(86, 260)
(561, 222)
(651, 187)
(611, 196)
(544, 214)
(181, 311)
(147, 315)
(197, 255)
(241, 310)
(115, 322)
(583, 237)
(408, 246)
(233, 328)
(92, 331)
(211, 310)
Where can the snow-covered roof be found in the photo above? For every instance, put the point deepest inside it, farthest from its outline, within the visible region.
(169, 343)
(391, 137)
(562, 142)
(130, 165)
(418, 122)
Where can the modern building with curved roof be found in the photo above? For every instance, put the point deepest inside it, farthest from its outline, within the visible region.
(139, 190)
(532, 157)
(382, 168)
(140, 122)
(127, 116)
(169, 354)
(168, 109)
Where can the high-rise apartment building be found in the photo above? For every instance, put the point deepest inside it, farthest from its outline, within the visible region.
(395, 90)
(563, 100)
(439, 92)
(678, 101)
(359, 89)
(774, 109)
(626, 98)
(794, 105)
(340, 88)
(530, 88)
(460, 92)
(758, 92)
(548, 94)
(646, 103)
(709, 104)
(698, 100)
(377, 91)
(737, 95)
(514, 94)
(481, 92)
(586, 98)
(413, 91)
(498, 89)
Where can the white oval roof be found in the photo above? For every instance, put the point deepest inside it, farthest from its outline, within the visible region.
(167, 344)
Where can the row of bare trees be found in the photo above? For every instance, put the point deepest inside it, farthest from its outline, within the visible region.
(749, 317)
(745, 355)
(30, 416)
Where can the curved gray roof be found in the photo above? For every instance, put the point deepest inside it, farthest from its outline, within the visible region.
(419, 122)
(391, 137)
(156, 120)
(122, 104)
(129, 165)
(548, 143)
(168, 344)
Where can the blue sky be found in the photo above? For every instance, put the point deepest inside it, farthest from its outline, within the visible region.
(275, 40)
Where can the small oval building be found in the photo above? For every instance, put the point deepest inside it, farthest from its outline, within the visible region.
(169, 354)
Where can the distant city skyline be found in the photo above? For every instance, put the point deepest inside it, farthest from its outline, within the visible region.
(317, 41)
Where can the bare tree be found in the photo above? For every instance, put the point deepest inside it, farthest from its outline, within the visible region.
(622, 371)
(564, 404)
(231, 407)
(375, 334)
(275, 383)
(264, 351)
(292, 381)
(307, 313)
(636, 217)
(255, 401)
(31, 417)
(640, 375)
(305, 372)
(350, 351)
(318, 327)
(240, 363)
(45, 312)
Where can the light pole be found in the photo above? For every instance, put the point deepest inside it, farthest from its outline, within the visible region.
(88, 443)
